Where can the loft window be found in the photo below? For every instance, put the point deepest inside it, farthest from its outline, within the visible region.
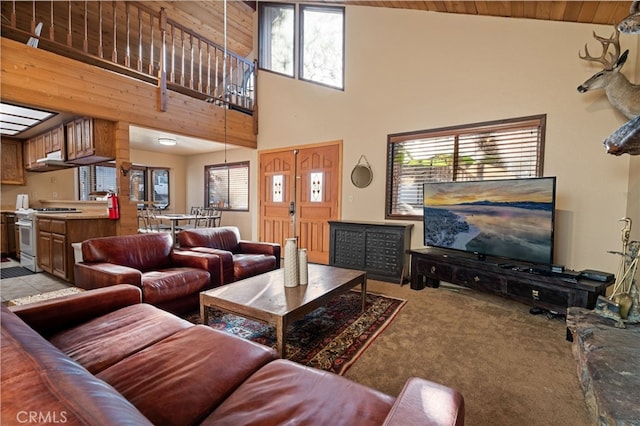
(303, 41)
(504, 149)
(227, 186)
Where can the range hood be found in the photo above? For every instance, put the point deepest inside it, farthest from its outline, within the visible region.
(53, 161)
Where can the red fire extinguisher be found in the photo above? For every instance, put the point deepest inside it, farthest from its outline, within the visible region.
(112, 205)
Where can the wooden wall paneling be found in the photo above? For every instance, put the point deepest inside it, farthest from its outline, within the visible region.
(128, 223)
(43, 79)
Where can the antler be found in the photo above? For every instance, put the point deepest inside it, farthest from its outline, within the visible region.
(614, 41)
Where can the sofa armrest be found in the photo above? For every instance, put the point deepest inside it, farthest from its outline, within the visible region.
(426, 403)
(50, 316)
(101, 274)
(226, 261)
(206, 261)
(259, 247)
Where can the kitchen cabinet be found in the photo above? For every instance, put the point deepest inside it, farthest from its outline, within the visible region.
(89, 141)
(7, 234)
(41, 145)
(12, 166)
(55, 236)
(51, 247)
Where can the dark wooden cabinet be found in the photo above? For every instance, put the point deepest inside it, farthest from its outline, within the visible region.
(89, 141)
(378, 248)
(12, 163)
(55, 236)
(554, 292)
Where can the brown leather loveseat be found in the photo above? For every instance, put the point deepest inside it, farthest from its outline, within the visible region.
(170, 279)
(239, 258)
(103, 358)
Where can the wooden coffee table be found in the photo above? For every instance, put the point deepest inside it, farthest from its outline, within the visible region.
(265, 298)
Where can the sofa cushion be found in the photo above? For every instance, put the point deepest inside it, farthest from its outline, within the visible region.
(144, 252)
(284, 392)
(182, 378)
(223, 238)
(172, 283)
(40, 384)
(249, 265)
(102, 342)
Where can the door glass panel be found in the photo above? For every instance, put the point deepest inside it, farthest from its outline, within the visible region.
(316, 187)
(276, 189)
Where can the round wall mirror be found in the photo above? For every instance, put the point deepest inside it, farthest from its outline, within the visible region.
(362, 175)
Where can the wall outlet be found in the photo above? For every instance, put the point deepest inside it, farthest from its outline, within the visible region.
(55, 194)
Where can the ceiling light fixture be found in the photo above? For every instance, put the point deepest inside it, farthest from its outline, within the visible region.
(167, 141)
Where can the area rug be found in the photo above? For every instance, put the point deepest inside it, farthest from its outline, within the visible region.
(14, 272)
(44, 296)
(330, 338)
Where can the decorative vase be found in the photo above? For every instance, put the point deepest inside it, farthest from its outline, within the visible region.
(291, 274)
(304, 267)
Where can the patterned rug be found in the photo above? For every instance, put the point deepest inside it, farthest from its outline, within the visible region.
(330, 338)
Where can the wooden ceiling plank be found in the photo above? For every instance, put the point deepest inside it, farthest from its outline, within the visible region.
(517, 9)
(557, 10)
(530, 9)
(482, 7)
(572, 11)
(587, 11)
(543, 10)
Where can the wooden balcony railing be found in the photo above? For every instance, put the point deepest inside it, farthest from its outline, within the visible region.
(133, 39)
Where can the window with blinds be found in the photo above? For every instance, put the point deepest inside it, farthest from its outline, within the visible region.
(98, 178)
(504, 149)
(227, 186)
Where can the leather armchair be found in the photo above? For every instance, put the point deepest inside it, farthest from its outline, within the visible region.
(239, 258)
(170, 279)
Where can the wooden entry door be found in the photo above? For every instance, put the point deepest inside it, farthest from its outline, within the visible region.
(310, 177)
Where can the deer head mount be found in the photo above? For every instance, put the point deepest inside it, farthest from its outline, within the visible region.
(631, 24)
(621, 93)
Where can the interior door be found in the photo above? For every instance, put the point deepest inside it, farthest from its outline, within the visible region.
(310, 177)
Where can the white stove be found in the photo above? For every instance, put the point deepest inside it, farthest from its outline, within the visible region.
(28, 233)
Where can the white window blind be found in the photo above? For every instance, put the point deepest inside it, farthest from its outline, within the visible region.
(504, 149)
(227, 186)
(96, 179)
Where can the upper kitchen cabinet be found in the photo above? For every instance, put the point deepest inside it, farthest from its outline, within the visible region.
(45, 146)
(90, 141)
(12, 171)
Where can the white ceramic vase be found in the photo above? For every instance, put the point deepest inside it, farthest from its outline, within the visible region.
(291, 272)
(304, 267)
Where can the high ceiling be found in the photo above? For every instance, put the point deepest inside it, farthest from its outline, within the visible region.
(206, 17)
(590, 12)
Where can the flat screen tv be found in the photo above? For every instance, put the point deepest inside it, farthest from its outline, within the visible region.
(509, 218)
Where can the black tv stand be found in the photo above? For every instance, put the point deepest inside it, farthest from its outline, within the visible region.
(515, 280)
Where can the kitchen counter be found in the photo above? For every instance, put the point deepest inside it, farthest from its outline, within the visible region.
(74, 216)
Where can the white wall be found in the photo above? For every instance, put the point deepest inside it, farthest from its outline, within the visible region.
(177, 175)
(410, 70)
(195, 185)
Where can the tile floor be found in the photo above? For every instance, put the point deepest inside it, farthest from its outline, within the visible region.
(28, 285)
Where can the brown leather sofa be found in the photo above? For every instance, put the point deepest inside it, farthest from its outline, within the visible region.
(103, 358)
(239, 258)
(170, 279)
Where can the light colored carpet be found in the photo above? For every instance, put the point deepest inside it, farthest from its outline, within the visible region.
(512, 368)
